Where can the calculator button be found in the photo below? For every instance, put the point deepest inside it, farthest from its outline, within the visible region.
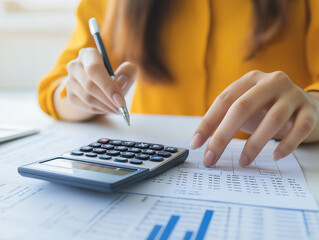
(86, 149)
(164, 154)
(142, 156)
(103, 140)
(105, 157)
(91, 154)
(123, 160)
(99, 150)
(120, 148)
(95, 145)
(157, 147)
(113, 152)
(107, 146)
(128, 144)
(136, 161)
(116, 142)
(148, 151)
(76, 153)
(142, 145)
(134, 150)
(171, 149)
(156, 159)
(127, 154)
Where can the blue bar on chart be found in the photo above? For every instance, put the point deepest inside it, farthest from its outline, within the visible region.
(154, 232)
(188, 235)
(204, 225)
(169, 227)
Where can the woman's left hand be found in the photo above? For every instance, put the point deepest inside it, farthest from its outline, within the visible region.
(266, 105)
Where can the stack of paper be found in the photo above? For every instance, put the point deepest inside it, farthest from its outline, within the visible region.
(269, 200)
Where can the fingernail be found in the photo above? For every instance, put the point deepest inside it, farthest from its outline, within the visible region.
(118, 100)
(277, 155)
(209, 158)
(196, 141)
(244, 160)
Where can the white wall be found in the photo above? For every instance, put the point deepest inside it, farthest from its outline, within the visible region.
(32, 34)
(26, 58)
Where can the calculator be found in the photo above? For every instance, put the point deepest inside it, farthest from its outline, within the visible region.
(107, 164)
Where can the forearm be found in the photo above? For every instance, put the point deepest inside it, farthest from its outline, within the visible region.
(66, 111)
(314, 135)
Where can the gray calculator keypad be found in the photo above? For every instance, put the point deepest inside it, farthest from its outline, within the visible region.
(148, 155)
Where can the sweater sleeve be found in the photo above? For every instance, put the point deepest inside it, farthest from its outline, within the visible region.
(313, 45)
(80, 38)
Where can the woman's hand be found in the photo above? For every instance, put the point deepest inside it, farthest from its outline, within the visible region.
(266, 105)
(91, 89)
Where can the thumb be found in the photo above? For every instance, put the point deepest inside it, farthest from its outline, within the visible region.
(124, 83)
(125, 75)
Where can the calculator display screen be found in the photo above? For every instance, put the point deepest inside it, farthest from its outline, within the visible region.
(70, 164)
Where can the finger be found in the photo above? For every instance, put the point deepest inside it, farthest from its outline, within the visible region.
(95, 69)
(90, 87)
(125, 76)
(243, 108)
(301, 128)
(125, 83)
(253, 122)
(283, 132)
(275, 119)
(128, 69)
(77, 102)
(219, 108)
(86, 99)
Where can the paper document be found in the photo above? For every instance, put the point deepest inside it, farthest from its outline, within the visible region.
(14, 194)
(187, 202)
(81, 215)
(50, 143)
(264, 183)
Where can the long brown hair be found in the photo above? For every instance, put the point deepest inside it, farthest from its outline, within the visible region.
(270, 18)
(145, 18)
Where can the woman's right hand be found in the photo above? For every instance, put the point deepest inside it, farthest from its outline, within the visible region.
(90, 87)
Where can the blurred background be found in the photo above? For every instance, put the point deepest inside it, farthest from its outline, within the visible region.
(32, 34)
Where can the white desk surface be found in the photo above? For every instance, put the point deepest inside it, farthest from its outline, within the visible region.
(22, 108)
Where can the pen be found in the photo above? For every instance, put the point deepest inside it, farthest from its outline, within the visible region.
(95, 31)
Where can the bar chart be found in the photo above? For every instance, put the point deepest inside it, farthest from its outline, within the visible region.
(194, 220)
(167, 230)
(170, 219)
(137, 217)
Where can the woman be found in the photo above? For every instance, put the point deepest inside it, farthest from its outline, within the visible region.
(188, 55)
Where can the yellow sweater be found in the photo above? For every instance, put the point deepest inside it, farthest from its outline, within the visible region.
(205, 43)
